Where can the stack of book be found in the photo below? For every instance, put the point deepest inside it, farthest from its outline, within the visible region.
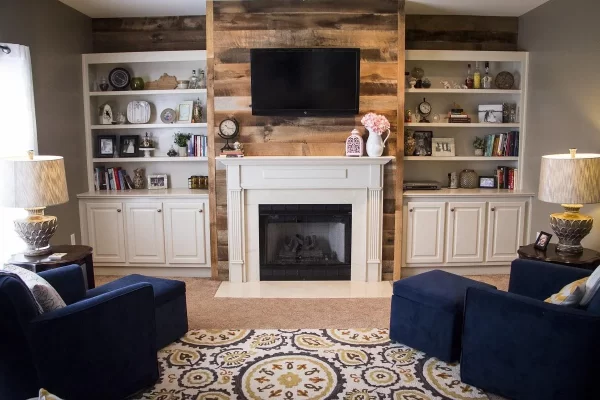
(198, 146)
(113, 178)
(507, 178)
(232, 153)
(502, 144)
(458, 116)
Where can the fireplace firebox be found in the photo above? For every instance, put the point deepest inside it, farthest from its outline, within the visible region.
(305, 241)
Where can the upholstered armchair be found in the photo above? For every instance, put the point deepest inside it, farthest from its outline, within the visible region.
(102, 347)
(516, 345)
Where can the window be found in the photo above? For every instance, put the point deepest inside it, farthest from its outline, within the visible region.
(17, 129)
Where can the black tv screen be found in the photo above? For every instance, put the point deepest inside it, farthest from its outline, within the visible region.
(303, 82)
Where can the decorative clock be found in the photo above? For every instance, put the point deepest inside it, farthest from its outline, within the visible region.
(424, 110)
(119, 78)
(229, 129)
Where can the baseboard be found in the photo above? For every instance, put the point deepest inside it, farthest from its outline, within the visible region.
(474, 270)
(153, 271)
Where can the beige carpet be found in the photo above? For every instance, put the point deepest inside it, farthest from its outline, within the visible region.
(207, 312)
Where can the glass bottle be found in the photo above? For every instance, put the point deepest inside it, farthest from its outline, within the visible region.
(194, 81)
(202, 80)
(469, 80)
(487, 79)
(477, 77)
(197, 112)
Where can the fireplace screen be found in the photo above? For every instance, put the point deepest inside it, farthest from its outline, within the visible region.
(305, 241)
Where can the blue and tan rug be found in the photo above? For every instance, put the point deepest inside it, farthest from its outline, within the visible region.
(352, 364)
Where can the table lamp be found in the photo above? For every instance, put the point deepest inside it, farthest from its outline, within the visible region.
(570, 180)
(34, 183)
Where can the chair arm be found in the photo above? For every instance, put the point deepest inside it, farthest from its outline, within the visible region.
(68, 282)
(105, 345)
(512, 345)
(539, 280)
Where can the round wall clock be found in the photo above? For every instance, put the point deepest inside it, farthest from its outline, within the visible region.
(424, 110)
(119, 78)
(229, 128)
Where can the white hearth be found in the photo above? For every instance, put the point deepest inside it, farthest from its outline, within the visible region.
(252, 181)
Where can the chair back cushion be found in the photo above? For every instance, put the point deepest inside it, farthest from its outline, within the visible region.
(45, 295)
(570, 295)
(591, 287)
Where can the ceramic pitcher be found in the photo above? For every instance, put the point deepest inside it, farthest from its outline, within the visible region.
(375, 144)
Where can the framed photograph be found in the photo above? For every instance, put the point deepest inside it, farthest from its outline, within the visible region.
(158, 181)
(106, 146)
(423, 143)
(184, 112)
(443, 147)
(542, 241)
(129, 146)
(487, 182)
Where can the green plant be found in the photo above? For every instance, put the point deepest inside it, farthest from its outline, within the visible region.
(181, 139)
(478, 143)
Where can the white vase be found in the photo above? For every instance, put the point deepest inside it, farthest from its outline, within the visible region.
(183, 151)
(375, 144)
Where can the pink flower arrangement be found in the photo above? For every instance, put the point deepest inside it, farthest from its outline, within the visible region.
(376, 123)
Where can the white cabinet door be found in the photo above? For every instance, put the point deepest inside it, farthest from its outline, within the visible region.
(186, 227)
(145, 233)
(425, 236)
(466, 231)
(106, 231)
(506, 224)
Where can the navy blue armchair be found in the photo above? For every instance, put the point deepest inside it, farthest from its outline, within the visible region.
(98, 348)
(519, 347)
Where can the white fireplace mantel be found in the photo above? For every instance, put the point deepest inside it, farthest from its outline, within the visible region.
(252, 181)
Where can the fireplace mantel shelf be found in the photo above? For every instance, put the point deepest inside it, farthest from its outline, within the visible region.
(305, 160)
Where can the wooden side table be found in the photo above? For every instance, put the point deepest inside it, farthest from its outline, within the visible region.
(589, 259)
(76, 254)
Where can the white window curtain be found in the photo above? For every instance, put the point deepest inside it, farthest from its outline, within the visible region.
(17, 129)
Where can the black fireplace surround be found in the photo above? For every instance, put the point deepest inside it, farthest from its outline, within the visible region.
(305, 242)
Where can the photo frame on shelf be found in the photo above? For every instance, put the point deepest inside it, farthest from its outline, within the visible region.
(443, 147)
(542, 241)
(158, 181)
(129, 146)
(106, 146)
(185, 110)
(423, 143)
(487, 182)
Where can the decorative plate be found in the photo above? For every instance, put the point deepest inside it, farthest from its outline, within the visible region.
(119, 78)
(505, 80)
(168, 116)
(138, 112)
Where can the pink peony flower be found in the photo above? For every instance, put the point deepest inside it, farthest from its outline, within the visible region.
(378, 124)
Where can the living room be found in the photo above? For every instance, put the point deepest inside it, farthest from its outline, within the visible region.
(290, 199)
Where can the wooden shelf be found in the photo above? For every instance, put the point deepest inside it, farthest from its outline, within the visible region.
(447, 125)
(145, 193)
(148, 126)
(464, 91)
(458, 158)
(477, 192)
(149, 159)
(137, 93)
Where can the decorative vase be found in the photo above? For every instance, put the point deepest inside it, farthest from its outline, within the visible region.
(410, 144)
(478, 152)
(137, 84)
(375, 144)
(468, 179)
(183, 151)
(138, 178)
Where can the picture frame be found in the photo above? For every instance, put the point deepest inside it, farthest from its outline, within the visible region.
(106, 146)
(185, 109)
(423, 143)
(542, 241)
(443, 147)
(487, 182)
(129, 146)
(158, 181)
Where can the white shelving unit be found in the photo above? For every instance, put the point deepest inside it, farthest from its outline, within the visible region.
(149, 66)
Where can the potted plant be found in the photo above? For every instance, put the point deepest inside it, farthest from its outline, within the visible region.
(478, 145)
(181, 140)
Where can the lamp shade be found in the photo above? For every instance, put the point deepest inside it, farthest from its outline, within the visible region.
(32, 183)
(570, 180)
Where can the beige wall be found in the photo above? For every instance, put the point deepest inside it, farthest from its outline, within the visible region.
(57, 35)
(564, 92)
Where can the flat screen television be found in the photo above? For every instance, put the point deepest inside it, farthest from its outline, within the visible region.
(305, 82)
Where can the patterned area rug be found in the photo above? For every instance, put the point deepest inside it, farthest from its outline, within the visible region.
(350, 364)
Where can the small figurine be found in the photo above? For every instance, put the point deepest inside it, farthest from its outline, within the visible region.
(413, 82)
(238, 146)
(446, 85)
(106, 115)
(138, 178)
(146, 142)
(408, 116)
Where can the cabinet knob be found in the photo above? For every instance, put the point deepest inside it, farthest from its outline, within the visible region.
(493, 208)
(452, 209)
(411, 210)
(200, 211)
(118, 210)
(159, 210)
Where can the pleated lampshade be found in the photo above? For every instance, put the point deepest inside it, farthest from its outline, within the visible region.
(31, 183)
(570, 180)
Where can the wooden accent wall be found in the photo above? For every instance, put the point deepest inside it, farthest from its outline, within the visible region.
(372, 26)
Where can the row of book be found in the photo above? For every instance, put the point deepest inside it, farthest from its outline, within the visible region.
(507, 178)
(113, 178)
(502, 144)
(198, 146)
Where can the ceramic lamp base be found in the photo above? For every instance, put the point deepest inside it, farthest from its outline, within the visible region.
(571, 227)
(36, 231)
